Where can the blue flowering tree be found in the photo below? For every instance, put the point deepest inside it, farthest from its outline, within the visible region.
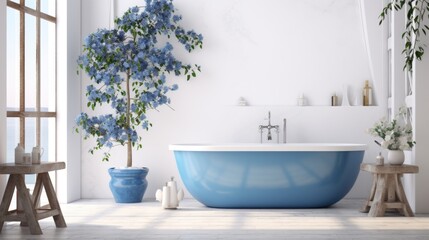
(128, 69)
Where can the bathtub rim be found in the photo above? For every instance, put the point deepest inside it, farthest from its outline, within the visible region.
(257, 147)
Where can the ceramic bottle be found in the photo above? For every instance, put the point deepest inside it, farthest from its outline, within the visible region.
(367, 94)
(19, 154)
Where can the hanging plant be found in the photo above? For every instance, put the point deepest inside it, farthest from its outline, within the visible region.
(417, 12)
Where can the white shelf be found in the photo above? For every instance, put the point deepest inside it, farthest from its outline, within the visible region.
(295, 106)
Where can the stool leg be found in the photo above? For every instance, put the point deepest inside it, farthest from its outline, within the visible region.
(408, 212)
(7, 198)
(391, 191)
(35, 198)
(30, 212)
(391, 188)
(37, 191)
(365, 208)
(53, 201)
(378, 207)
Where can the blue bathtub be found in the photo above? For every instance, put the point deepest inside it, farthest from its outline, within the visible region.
(268, 176)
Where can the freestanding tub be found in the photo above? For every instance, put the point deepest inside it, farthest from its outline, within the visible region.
(268, 176)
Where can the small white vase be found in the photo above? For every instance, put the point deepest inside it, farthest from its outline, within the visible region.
(345, 101)
(395, 157)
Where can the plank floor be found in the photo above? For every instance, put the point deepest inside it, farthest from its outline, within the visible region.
(104, 219)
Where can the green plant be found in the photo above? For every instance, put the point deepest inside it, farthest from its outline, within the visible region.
(396, 136)
(128, 67)
(417, 12)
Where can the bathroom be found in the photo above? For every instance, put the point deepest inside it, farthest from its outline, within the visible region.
(279, 56)
(319, 60)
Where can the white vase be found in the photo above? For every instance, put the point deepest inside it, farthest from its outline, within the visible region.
(345, 101)
(358, 99)
(395, 157)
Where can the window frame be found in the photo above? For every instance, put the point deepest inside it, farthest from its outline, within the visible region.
(22, 114)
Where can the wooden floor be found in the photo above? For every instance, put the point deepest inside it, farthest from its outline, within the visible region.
(103, 219)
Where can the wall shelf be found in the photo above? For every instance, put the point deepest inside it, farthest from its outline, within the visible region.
(304, 107)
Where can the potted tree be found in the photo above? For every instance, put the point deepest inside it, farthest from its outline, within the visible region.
(128, 69)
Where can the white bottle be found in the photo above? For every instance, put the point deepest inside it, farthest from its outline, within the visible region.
(173, 202)
(301, 101)
(36, 154)
(19, 154)
(345, 101)
(27, 159)
(379, 160)
(166, 196)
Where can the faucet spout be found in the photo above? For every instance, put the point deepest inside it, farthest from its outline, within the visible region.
(284, 130)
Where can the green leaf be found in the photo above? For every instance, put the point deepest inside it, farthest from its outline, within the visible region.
(410, 13)
(408, 44)
(419, 55)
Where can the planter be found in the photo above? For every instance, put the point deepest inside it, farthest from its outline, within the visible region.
(128, 185)
(395, 157)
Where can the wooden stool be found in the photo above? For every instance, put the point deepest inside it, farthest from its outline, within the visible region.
(387, 191)
(31, 214)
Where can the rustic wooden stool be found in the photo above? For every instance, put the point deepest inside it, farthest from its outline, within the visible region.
(31, 213)
(387, 191)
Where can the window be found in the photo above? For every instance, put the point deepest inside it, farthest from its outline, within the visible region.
(31, 77)
(390, 63)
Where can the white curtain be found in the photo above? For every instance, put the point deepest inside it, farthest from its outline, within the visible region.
(374, 41)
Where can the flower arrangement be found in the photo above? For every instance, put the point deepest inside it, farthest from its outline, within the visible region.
(128, 69)
(394, 135)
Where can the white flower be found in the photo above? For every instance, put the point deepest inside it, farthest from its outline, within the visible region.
(388, 137)
(403, 140)
(394, 135)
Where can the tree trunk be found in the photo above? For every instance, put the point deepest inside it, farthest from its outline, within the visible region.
(129, 143)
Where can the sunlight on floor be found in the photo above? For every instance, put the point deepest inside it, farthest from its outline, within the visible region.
(104, 219)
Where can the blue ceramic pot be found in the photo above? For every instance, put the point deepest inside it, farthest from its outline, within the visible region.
(128, 185)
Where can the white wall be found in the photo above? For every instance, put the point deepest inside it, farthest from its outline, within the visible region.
(68, 92)
(375, 46)
(421, 131)
(2, 92)
(269, 53)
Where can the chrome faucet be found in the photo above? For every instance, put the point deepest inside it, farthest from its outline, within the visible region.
(269, 127)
